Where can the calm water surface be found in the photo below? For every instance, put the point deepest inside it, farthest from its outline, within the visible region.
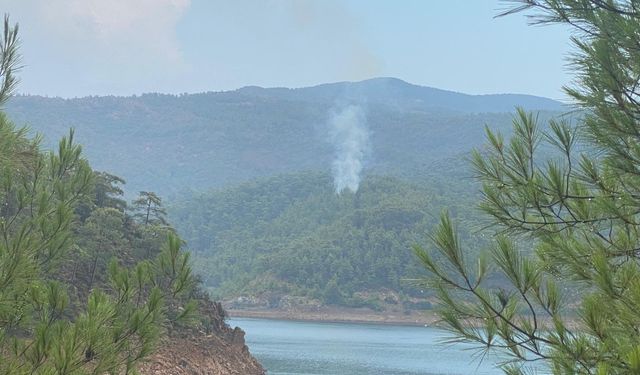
(308, 348)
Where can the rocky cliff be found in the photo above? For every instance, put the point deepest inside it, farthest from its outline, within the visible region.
(203, 355)
(211, 349)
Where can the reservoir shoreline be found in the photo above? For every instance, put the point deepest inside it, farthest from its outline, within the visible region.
(339, 315)
(358, 316)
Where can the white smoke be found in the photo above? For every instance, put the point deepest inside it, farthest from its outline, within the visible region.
(350, 138)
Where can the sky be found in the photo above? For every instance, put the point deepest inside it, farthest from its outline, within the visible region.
(75, 48)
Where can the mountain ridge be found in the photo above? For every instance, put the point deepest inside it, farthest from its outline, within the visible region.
(393, 83)
(399, 89)
(169, 143)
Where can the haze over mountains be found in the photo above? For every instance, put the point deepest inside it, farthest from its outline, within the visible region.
(169, 143)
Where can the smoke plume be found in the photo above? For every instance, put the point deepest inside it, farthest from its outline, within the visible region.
(350, 138)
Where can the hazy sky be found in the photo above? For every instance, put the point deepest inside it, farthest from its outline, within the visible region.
(96, 47)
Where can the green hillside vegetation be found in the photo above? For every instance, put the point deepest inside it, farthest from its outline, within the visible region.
(88, 285)
(211, 140)
(84, 286)
(292, 235)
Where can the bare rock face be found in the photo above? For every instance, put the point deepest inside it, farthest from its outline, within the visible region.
(213, 349)
(237, 337)
(203, 355)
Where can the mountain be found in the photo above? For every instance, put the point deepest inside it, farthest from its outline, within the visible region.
(405, 96)
(170, 143)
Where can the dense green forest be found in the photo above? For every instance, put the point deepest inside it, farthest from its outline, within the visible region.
(293, 235)
(169, 143)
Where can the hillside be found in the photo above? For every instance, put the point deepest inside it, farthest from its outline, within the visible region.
(107, 229)
(291, 238)
(91, 284)
(170, 143)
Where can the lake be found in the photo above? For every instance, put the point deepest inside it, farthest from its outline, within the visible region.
(310, 348)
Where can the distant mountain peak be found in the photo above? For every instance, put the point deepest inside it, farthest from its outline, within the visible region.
(383, 81)
(406, 96)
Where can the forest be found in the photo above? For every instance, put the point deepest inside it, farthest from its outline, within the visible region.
(298, 237)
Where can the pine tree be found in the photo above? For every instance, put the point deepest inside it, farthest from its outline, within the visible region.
(108, 191)
(148, 208)
(9, 60)
(576, 207)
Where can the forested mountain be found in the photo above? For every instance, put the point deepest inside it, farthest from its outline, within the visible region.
(167, 143)
(256, 234)
(291, 235)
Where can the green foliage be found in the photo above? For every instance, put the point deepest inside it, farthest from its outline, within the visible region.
(40, 331)
(148, 209)
(577, 207)
(293, 235)
(78, 295)
(9, 60)
(108, 191)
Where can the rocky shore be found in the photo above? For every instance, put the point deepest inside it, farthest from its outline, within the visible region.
(203, 355)
(212, 349)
